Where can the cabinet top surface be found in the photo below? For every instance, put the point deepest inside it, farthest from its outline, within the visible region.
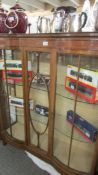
(51, 35)
(76, 41)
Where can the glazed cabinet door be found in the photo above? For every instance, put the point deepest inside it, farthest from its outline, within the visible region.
(11, 93)
(76, 111)
(40, 86)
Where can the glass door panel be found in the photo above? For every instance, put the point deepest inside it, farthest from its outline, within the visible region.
(11, 67)
(85, 120)
(39, 79)
(76, 110)
(64, 103)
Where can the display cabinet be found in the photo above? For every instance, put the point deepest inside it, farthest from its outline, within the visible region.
(49, 98)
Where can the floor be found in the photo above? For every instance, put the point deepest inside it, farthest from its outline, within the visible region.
(14, 161)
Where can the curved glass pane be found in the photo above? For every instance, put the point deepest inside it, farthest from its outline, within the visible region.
(85, 124)
(76, 110)
(12, 85)
(39, 96)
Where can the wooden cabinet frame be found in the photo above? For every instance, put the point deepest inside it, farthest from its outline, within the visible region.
(75, 43)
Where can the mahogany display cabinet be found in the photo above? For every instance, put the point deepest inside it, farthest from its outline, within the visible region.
(49, 98)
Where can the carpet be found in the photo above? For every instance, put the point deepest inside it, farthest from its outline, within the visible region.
(14, 161)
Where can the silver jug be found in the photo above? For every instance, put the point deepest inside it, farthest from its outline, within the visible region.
(43, 25)
(66, 23)
(57, 21)
(59, 16)
(77, 22)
